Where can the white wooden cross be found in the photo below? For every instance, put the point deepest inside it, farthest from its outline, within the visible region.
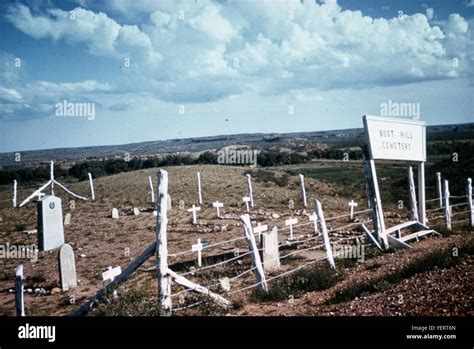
(246, 199)
(111, 273)
(218, 205)
(314, 218)
(198, 248)
(290, 222)
(352, 204)
(259, 229)
(193, 210)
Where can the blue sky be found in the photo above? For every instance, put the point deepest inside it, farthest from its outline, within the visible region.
(184, 68)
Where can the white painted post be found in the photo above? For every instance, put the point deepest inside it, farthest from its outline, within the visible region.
(421, 194)
(469, 201)
(290, 222)
(198, 248)
(352, 204)
(303, 191)
(447, 208)
(249, 181)
(164, 278)
(194, 209)
(246, 199)
(152, 192)
(259, 229)
(218, 205)
(199, 188)
(324, 231)
(91, 183)
(14, 193)
(252, 245)
(411, 186)
(51, 175)
(439, 187)
(19, 302)
(378, 205)
(314, 218)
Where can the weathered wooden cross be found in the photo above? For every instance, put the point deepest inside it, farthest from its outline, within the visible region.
(352, 204)
(194, 209)
(259, 229)
(198, 248)
(111, 273)
(218, 205)
(289, 223)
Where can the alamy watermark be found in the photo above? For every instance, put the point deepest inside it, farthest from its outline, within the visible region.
(399, 109)
(84, 109)
(349, 252)
(19, 252)
(237, 157)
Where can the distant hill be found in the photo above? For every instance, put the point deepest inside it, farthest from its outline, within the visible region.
(333, 138)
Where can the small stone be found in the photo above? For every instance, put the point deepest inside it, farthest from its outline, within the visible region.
(56, 290)
(82, 255)
(37, 290)
(29, 290)
(275, 215)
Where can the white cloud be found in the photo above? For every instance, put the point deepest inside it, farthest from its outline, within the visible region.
(187, 51)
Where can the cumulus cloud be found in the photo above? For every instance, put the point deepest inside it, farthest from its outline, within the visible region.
(187, 51)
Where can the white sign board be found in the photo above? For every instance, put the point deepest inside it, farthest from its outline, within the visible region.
(395, 139)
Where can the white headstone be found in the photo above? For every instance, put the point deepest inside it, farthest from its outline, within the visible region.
(168, 202)
(50, 223)
(67, 267)
(225, 284)
(136, 211)
(67, 219)
(271, 256)
(115, 213)
(111, 273)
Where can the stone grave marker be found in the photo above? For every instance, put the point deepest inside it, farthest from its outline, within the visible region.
(50, 223)
(67, 219)
(271, 255)
(115, 213)
(67, 267)
(136, 211)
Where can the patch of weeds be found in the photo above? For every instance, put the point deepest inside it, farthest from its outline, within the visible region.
(345, 262)
(35, 279)
(206, 306)
(302, 281)
(374, 266)
(132, 302)
(8, 275)
(436, 259)
(20, 227)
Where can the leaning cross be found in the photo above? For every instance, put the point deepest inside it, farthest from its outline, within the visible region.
(352, 204)
(193, 210)
(259, 229)
(246, 199)
(111, 273)
(290, 222)
(218, 205)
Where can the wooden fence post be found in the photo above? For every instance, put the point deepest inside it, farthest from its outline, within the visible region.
(152, 191)
(91, 183)
(249, 181)
(469, 201)
(19, 302)
(439, 188)
(324, 232)
(199, 188)
(14, 193)
(303, 191)
(256, 261)
(413, 204)
(164, 278)
(447, 208)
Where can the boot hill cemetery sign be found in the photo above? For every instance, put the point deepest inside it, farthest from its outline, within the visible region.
(396, 140)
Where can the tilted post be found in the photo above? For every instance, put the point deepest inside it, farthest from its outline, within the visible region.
(91, 184)
(469, 202)
(447, 208)
(303, 191)
(51, 175)
(421, 193)
(199, 188)
(152, 191)
(324, 232)
(249, 181)
(19, 302)
(252, 245)
(164, 279)
(411, 186)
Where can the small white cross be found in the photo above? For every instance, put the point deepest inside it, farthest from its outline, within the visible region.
(198, 247)
(352, 204)
(111, 273)
(193, 210)
(290, 222)
(314, 218)
(259, 229)
(246, 199)
(218, 205)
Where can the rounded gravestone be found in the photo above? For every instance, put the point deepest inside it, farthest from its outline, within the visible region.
(67, 267)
